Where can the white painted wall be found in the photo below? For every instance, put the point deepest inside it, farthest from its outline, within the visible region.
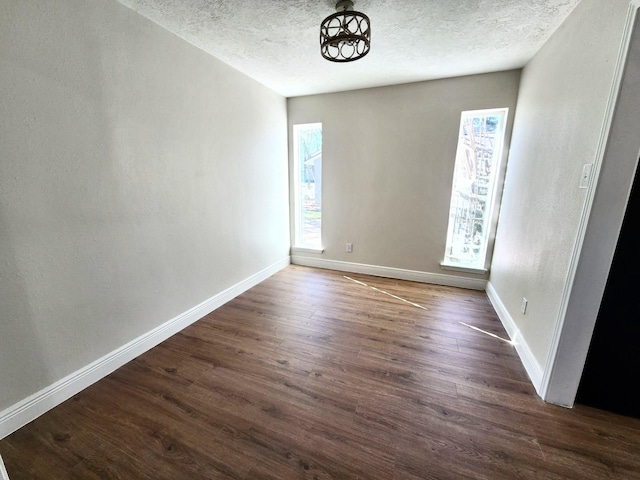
(618, 167)
(561, 113)
(139, 176)
(388, 160)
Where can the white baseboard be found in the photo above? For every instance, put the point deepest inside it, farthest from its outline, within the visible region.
(3, 471)
(389, 272)
(531, 365)
(23, 412)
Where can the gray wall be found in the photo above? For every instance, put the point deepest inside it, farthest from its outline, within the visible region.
(388, 159)
(138, 177)
(561, 109)
(611, 195)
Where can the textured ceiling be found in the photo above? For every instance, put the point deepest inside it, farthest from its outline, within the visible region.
(277, 41)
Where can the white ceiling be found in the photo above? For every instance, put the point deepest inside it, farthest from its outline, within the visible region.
(277, 41)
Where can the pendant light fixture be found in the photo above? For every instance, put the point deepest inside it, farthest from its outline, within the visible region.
(345, 36)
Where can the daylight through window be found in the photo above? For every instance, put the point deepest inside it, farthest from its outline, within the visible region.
(474, 182)
(307, 147)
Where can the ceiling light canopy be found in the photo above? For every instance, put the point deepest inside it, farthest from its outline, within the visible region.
(345, 36)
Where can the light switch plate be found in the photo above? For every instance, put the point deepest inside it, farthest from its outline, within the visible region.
(586, 175)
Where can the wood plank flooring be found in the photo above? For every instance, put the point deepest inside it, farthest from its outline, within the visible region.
(315, 374)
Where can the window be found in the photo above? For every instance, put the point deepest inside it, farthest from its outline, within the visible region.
(307, 154)
(475, 176)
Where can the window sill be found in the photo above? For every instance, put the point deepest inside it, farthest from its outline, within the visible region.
(459, 268)
(306, 250)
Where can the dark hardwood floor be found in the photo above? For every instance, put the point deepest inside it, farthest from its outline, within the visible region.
(315, 374)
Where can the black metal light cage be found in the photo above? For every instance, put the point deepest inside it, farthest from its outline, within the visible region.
(345, 36)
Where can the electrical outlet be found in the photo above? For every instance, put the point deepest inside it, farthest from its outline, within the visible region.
(349, 247)
(523, 307)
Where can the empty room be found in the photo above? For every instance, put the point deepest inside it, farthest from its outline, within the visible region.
(319, 240)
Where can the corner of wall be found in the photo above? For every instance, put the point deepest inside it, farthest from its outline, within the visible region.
(599, 228)
(3, 471)
(23, 412)
(531, 365)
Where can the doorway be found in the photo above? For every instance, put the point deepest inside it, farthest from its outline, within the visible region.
(611, 372)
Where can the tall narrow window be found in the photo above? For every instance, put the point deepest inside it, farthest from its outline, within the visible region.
(307, 151)
(474, 186)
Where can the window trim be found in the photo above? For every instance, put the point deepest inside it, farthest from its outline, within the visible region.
(297, 246)
(499, 154)
(459, 268)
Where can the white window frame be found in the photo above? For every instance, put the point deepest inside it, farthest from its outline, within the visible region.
(488, 224)
(298, 222)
